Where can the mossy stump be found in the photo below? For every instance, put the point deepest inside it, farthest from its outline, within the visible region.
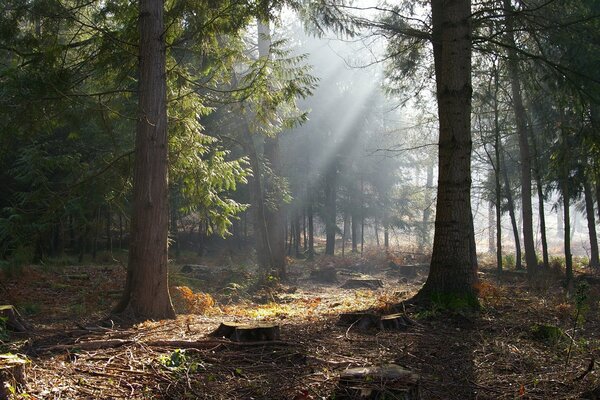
(248, 332)
(381, 382)
(372, 284)
(12, 375)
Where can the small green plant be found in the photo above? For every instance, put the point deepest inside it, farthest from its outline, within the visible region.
(4, 336)
(174, 361)
(20, 257)
(549, 334)
(509, 260)
(31, 308)
(581, 307)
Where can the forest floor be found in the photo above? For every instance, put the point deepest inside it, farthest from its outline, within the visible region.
(517, 346)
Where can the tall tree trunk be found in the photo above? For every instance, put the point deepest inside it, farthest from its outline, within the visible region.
(386, 236)
(522, 132)
(311, 230)
(567, 235)
(491, 228)
(355, 226)
(591, 221)
(330, 208)
(345, 232)
(175, 222)
(498, 167)
(263, 247)
(453, 272)
(146, 293)
(560, 226)
(511, 213)
(540, 193)
(108, 229)
(425, 229)
(274, 216)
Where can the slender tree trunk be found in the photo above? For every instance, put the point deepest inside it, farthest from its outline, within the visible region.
(263, 247)
(591, 221)
(311, 230)
(120, 230)
(491, 228)
(522, 132)
(273, 216)
(386, 237)
(376, 233)
(330, 208)
(108, 229)
(174, 223)
(513, 218)
(540, 192)
(453, 272)
(567, 236)
(354, 232)
(362, 215)
(497, 169)
(426, 231)
(560, 226)
(304, 239)
(146, 293)
(345, 232)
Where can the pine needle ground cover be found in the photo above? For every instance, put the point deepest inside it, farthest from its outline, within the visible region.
(526, 342)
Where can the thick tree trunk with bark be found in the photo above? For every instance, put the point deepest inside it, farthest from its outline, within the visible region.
(522, 132)
(453, 271)
(146, 293)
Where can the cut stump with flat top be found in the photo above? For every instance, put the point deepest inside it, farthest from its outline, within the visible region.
(372, 284)
(381, 382)
(394, 322)
(13, 320)
(248, 332)
(12, 375)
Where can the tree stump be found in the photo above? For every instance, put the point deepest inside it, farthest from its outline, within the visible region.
(257, 333)
(12, 374)
(13, 320)
(374, 383)
(225, 330)
(362, 321)
(247, 332)
(394, 322)
(372, 284)
(324, 275)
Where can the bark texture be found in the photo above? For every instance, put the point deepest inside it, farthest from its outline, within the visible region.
(453, 271)
(522, 132)
(591, 221)
(146, 294)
